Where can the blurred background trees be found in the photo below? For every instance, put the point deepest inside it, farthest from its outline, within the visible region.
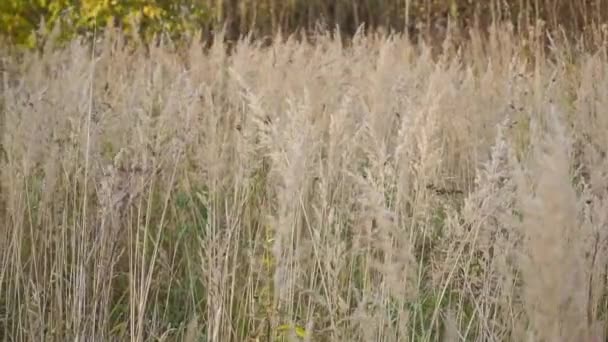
(21, 20)
(25, 22)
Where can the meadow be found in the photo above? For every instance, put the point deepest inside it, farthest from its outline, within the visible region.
(307, 190)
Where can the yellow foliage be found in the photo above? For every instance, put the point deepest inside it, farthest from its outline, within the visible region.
(20, 20)
(152, 12)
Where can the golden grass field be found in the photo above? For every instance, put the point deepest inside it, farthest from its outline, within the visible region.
(306, 191)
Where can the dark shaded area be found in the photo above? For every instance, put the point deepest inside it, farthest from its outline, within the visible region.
(426, 18)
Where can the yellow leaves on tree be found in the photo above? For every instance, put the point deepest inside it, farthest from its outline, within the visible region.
(24, 22)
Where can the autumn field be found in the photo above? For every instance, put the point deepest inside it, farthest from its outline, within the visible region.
(312, 189)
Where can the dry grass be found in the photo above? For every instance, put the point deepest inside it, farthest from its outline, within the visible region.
(315, 192)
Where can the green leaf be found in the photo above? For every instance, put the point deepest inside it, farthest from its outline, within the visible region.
(298, 330)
